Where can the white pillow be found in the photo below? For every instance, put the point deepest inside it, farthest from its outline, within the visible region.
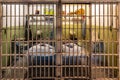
(41, 49)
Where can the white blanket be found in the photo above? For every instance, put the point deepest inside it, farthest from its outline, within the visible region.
(41, 49)
(69, 49)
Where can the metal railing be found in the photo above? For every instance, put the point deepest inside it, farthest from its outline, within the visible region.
(59, 39)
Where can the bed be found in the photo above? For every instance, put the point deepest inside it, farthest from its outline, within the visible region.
(45, 53)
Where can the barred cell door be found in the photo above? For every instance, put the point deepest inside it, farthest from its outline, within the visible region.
(59, 40)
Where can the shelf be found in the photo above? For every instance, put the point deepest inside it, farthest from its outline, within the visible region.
(73, 16)
(40, 21)
(89, 15)
(104, 67)
(77, 21)
(104, 54)
(39, 15)
(41, 18)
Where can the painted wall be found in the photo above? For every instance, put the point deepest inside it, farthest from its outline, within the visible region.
(11, 11)
(23, 10)
(96, 10)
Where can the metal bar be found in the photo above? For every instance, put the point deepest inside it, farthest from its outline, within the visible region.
(86, 71)
(99, 63)
(48, 74)
(117, 26)
(119, 36)
(45, 6)
(108, 10)
(64, 54)
(0, 41)
(14, 57)
(40, 23)
(10, 38)
(53, 16)
(29, 1)
(69, 40)
(95, 35)
(54, 32)
(59, 67)
(81, 69)
(90, 31)
(89, 1)
(55, 66)
(111, 23)
(6, 26)
(58, 38)
(65, 36)
(27, 22)
(32, 38)
(56, 1)
(77, 48)
(104, 35)
(19, 37)
(36, 24)
(73, 23)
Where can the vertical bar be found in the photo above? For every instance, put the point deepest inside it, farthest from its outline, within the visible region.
(77, 48)
(81, 69)
(65, 36)
(0, 40)
(99, 34)
(31, 74)
(6, 34)
(27, 39)
(119, 35)
(118, 38)
(58, 38)
(69, 42)
(24, 71)
(45, 6)
(10, 37)
(85, 40)
(90, 64)
(18, 63)
(73, 44)
(95, 38)
(15, 40)
(40, 39)
(111, 26)
(36, 42)
(49, 43)
(108, 36)
(104, 37)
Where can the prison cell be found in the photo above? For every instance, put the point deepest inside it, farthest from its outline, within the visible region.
(59, 40)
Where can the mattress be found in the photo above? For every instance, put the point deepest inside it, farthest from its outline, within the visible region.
(44, 54)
